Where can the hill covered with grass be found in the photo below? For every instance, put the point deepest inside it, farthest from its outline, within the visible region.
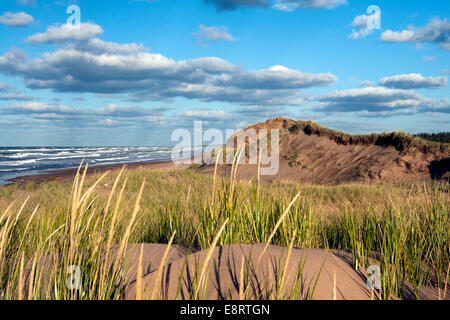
(312, 153)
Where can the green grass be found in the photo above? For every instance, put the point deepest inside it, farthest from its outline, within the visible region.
(403, 226)
(442, 137)
(400, 140)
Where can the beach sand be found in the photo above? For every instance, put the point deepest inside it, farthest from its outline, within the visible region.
(239, 271)
(69, 174)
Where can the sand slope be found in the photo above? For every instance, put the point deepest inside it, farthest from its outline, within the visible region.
(310, 274)
(310, 155)
(223, 277)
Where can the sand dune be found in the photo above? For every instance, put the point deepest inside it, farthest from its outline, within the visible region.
(334, 275)
(235, 272)
(314, 154)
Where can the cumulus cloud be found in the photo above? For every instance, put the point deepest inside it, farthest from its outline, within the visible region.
(291, 5)
(98, 47)
(250, 113)
(59, 113)
(97, 66)
(70, 69)
(379, 101)
(365, 83)
(15, 96)
(10, 93)
(66, 32)
(222, 5)
(276, 77)
(38, 107)
(413, 81)
(427, 59)
(436, 31)
(284, 5)
(369, 98)
(213, 34)
(16, 19)
(397, 36)
(115, 110)
(365, 24)
(207, 115)
(4, 87)
(361, 23)
(438, 106)
(28, 3)
(236, 118)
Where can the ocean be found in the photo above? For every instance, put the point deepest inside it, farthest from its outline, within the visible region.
(22, 161)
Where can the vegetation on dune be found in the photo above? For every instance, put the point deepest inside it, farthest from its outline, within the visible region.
(442, 137)
(400, 140)
(405, 226)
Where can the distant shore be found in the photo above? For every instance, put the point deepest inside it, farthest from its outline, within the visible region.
(69, 173)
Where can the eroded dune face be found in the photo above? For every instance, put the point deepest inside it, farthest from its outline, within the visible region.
(319, 155)
(247, 271)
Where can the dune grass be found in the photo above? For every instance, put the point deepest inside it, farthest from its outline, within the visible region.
(405, 227)
(400, 140)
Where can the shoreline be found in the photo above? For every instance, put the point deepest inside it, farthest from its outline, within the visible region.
(69, 173)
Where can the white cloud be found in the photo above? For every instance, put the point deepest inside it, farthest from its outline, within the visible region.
(4, 87)
(413, 81)
(436, 31)
(38, 107)
(397, 36)
(427, 59)
(380, 101)
(28, 3)
(291, 5)
(213, 33)
(58, 113)
(284, 5)
(16, 19)
(98, 46)
(66, 32)
(222, 5)
(15, 96)
(366, 23)
(360, 22)
(10, 93)
(365, 83)
(97, 66)
(206, 114)
(276, 77)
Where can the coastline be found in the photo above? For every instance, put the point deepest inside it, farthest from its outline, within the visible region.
(69, 173)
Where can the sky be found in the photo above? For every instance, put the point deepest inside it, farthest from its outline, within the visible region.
(131, 72)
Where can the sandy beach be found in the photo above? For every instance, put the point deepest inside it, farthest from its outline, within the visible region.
(68, 174)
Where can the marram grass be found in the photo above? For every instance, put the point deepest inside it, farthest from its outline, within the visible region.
(403, 226)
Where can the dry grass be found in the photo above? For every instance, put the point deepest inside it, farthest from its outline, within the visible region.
(404, 226)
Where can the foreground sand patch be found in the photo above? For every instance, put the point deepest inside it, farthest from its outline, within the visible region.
(324, 276)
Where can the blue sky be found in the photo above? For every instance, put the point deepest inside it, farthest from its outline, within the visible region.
(134, 71)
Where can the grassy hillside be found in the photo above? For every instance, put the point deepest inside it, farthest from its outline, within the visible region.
(405, 227)
(398, 139)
